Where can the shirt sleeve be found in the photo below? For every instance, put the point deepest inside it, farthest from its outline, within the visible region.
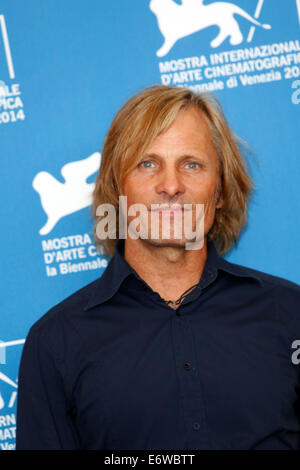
(43, 415)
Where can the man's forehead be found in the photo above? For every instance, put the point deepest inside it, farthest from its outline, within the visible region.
(190, 127)
(188, 122)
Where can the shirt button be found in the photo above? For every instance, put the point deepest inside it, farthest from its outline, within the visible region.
(196, 426)
(187, 366)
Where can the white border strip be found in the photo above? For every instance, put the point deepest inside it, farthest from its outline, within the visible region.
(2, 355)
(7, 47)
(298, 8)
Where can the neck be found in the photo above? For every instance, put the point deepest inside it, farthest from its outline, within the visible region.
(170, 271)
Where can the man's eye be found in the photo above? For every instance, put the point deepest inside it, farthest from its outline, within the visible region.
(146, 163)
(193, 164)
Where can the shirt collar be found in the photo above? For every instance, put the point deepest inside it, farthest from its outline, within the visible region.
(109, 283)
(118, 270)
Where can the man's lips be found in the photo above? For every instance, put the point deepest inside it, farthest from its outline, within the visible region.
(168, 208)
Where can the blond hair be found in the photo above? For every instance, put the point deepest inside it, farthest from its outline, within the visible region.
(139, 121)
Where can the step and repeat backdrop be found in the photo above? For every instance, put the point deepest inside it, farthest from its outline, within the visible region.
(66, 66)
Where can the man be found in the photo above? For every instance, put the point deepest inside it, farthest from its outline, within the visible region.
(171, 348)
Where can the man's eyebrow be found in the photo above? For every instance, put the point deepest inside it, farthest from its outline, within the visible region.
(200, 159)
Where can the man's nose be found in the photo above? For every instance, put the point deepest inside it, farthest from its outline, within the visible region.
(170, 182)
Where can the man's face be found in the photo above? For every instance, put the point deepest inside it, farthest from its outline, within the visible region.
(180, 167)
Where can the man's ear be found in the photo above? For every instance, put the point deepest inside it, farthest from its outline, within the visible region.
(219, 204)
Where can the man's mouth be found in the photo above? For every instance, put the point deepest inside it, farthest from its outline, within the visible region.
(168, 208)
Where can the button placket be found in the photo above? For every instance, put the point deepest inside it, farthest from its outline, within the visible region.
(190, 386)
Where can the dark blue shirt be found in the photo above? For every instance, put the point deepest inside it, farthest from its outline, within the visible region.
(114, 367)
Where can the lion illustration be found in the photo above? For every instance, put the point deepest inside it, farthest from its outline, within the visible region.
(61, 199)
(177, 21)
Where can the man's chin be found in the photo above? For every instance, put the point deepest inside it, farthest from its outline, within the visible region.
(166, 242)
